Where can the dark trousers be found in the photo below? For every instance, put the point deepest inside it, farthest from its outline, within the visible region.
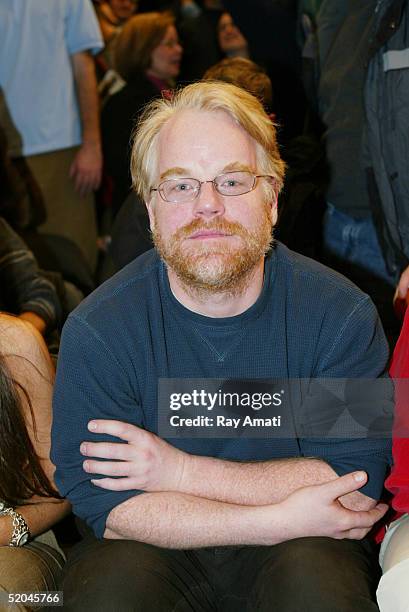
(303, 575)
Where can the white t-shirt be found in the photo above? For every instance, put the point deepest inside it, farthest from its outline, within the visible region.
(37, 38)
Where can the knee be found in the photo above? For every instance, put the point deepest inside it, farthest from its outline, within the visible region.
(393, 589)
(22, 570)
(317, 574)
(118, 575)
(301, 558)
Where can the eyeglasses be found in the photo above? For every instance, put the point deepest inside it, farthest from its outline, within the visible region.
(181, 190)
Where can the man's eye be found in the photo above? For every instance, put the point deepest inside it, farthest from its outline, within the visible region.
(182, 187)
(230, 183)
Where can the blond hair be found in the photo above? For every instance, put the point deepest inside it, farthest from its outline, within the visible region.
(207, 96)
(136, 41)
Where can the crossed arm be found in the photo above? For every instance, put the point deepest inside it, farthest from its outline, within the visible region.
(196, 501)
(25, 291)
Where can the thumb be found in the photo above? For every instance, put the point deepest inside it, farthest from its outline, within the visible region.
(344, 485)
(73, 169)
(401, 290)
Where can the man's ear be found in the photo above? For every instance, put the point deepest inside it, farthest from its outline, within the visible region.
(274, 209)
(150, 206)
(273, 205)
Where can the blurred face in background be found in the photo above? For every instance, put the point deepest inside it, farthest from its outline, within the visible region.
(166, 58)
(123, 9)
(213, 4)
(231, 40)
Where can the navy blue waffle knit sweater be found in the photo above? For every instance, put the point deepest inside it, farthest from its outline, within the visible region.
(307, 322)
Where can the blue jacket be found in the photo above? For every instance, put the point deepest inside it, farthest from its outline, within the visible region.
(387, 130)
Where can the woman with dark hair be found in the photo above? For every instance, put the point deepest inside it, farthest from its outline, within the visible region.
(30, 558)
(231, 41)
(147, 57)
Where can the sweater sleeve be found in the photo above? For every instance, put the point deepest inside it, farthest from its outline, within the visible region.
(361, 439)
(23, 287)
(91, 383)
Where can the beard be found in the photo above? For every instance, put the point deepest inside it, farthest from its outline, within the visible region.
(216, 266)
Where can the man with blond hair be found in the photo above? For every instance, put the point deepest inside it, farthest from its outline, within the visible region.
(214, 518)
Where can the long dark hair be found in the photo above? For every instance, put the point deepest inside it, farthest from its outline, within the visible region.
(21, 474)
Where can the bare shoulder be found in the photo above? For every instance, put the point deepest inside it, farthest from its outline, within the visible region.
(23, 347)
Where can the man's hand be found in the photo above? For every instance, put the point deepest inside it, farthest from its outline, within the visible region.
(403, 285)
(149, 463)
(146, 462)
(86, 169)
(177, 520)
(317, 511)
(35, 320)
(401, 297)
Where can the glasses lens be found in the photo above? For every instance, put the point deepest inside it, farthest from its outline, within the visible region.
(179, 190)
(235, 183)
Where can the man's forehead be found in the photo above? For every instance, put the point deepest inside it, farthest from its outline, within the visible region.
(187, 122)
(191, 134)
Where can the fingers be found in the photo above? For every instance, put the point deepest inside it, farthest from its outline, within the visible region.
(123, 455)
(119, 429)
(403, 285)
(343, 485)
(73, 170)
(85, 180)
(82, 187)
(354, 534)
(84, 183)
(367, 518)
(107, 450)
(356, 523)
(107, 468)
(114, 484)
(91, 180)
(359, 523)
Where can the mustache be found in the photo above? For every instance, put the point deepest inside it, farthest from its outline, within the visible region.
(218, 225)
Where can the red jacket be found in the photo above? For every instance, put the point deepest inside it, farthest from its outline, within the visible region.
(398, 481)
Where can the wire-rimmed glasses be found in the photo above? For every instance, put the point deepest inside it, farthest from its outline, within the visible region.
(181, 190)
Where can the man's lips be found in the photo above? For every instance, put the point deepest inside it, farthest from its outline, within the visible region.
(203, 234)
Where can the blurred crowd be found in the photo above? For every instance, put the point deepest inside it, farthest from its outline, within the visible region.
(65, 130)
(74, 81)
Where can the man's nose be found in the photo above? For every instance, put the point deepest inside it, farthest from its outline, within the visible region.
(209, 203)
